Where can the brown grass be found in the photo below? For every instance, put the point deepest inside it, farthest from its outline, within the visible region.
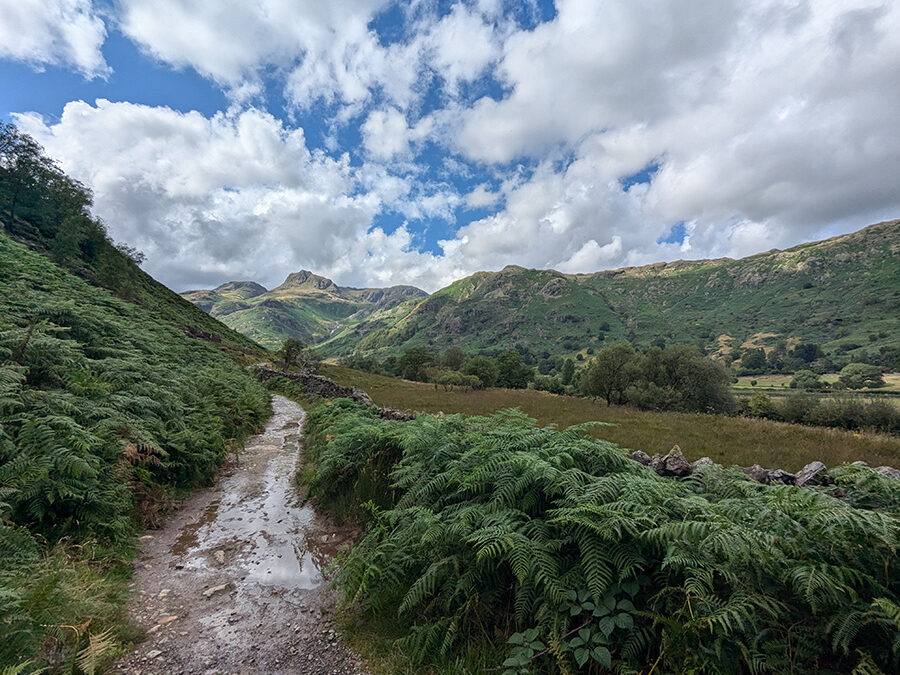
(727, 440)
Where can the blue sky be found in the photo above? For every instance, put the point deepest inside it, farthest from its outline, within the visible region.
(379, 142)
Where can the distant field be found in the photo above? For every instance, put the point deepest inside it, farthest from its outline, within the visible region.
(726, 440)
(892, 383)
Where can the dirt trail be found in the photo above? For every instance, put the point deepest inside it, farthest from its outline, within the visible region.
(234, 581)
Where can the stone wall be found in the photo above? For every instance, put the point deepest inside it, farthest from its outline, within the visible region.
(815, 473)
(320, 385)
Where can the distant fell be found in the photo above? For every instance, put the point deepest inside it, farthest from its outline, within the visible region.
(306, 305)
(842, 293)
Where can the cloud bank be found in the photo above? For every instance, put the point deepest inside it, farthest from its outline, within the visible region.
(475, 138)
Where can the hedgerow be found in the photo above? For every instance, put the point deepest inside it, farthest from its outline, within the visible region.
(560, 551)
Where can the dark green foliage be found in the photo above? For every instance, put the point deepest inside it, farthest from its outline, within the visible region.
(484, 369)
(294, 353)
(806, 379)
(104, 406)
(610, 373)
(494, 531)
(414, 362)
(840, 412)
(453, 358)
(512, 373)
(861, 376)
(753, 360)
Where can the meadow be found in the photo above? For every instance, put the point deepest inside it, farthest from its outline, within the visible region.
(726, 440)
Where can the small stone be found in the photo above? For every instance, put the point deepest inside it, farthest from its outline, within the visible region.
(703, 461)
(672, 464)
(153, 653)
(220, 557)
(215, 589)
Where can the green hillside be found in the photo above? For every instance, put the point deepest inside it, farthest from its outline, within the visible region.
(842, 293)
(116, 395)
(305, 306)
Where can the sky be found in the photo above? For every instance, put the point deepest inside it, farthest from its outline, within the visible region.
(380, 143)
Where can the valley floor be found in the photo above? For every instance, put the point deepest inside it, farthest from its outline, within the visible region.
(234, 582)
(727, 440)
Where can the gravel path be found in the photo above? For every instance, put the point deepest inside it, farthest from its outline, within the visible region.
(234, 582)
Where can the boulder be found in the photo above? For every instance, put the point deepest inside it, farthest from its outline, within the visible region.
(641, 457)
(759, 474)
(672, 464)
(888, 471)
(703, 461)
(813, 473)
(780, 476)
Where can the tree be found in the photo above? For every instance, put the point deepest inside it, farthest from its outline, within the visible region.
(484, 369)
(693, 381)
(293, 352)
(414, 362)
(806, 379)
(610, 373)
(568, 372)
(861, 376)
(512, 372)
(754, 359)
(761, 405)
(453, 358)
(807, 352)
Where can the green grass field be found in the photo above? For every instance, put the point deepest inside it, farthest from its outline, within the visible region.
(727, 440)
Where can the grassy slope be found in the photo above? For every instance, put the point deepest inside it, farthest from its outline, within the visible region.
(727, 440)
(106, 405)
(837, 292)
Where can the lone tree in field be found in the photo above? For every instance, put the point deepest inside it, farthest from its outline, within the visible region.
(610, 373)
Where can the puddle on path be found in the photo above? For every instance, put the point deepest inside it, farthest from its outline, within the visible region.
(236, 577)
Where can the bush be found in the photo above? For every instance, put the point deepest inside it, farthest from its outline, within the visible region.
(493, 536)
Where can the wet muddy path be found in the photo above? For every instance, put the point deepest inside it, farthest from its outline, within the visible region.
(234, 582)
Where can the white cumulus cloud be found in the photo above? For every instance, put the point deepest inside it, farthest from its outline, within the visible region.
(53, 33)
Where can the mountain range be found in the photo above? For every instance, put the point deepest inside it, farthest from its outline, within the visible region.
(842, 293)
(306, 306)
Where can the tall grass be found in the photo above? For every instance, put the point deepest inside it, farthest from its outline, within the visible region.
(727, 440)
